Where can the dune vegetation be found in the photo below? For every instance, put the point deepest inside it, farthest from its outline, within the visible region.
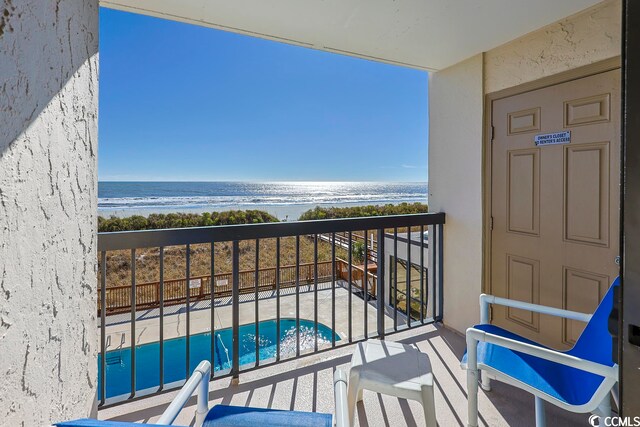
(363, 211)
(148, 259)
(182, 220)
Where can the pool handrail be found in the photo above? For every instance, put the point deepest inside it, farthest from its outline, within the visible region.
(226, 350)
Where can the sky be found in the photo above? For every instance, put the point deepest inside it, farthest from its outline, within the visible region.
(180, 102)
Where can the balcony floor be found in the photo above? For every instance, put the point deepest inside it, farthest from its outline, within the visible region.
(306, 384)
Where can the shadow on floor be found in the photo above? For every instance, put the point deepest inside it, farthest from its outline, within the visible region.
(306, 384)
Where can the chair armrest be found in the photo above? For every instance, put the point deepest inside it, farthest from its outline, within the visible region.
(486, 300)
(475, 335)
(198, 380)
(340, 396)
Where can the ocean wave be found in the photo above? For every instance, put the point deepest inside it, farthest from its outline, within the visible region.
(149, 196)
(226, 201)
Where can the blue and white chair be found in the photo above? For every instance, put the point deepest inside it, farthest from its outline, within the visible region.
(234, 416)
(578, 380)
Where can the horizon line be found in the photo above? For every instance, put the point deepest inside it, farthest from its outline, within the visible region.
(261, 181)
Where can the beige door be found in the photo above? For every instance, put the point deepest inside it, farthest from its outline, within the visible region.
(555, 206)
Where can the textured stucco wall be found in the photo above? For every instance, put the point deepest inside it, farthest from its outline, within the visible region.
(587, 37)
(48, 186)
(455, 180)
(456, 109)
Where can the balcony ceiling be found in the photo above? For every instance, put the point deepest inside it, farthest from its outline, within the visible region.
(424, 34)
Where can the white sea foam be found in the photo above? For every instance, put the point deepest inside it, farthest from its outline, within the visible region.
(225, 201)
(145, 195)
(285, 198)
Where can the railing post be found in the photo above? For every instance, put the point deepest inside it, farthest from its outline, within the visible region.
(350, 261)
(315, 292)
(422, 284)
(161, 318)
(407, 296)
(235, 310)
(256, 279)
(188, 312)
(433, 266)
(277, 299)
(103, 327)
(212, 315)
(333, 289)
(133, 323)
(440, 229)
(381, 285)
(365, 286)
(297, 296)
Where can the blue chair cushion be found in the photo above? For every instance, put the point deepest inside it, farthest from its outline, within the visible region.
(569, 385)
(231, 416)
(236, 416)
(88, 422)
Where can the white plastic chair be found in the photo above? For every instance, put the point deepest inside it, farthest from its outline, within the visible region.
(578, 380)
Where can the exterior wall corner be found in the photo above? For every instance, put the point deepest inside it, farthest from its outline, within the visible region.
(455, 183)
(48, 224)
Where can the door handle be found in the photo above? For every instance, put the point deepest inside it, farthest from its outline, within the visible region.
(617, 260)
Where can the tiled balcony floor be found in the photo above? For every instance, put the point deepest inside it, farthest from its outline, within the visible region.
(306, 384)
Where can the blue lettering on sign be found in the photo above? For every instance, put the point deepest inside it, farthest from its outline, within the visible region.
(553, 138)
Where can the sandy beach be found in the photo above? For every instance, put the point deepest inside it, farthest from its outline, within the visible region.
(284, 200)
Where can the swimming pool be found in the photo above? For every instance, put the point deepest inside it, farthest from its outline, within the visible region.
(118, 366)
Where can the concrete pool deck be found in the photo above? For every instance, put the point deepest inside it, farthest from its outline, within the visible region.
(118, 330)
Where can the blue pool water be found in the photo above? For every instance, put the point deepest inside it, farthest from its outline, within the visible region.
(118, 367)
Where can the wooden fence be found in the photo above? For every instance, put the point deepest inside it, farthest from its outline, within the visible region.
(147, 296)
(357, 275)
(342, 241)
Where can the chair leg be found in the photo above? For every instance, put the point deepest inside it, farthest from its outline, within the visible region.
(485, 381)
(429, 406)
(541, 418)
(604, 408)
(472, 397)
(616, 396)
(353, 391)
(472, 381)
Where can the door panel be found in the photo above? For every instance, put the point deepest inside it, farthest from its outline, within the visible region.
(587, 193)
(593, 109)
(555, 207)
(523, 284)
(581, 291)
(524, 121)
(523, 202)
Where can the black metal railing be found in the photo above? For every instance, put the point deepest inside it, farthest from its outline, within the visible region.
(364, 279)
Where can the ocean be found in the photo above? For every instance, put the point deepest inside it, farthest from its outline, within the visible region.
(286, 200)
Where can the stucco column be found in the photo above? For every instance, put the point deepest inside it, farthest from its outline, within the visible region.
(48, 186)
(455, 184)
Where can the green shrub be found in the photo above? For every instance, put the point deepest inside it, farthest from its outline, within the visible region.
(357, 252)
(182, 220)
(364, 211)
